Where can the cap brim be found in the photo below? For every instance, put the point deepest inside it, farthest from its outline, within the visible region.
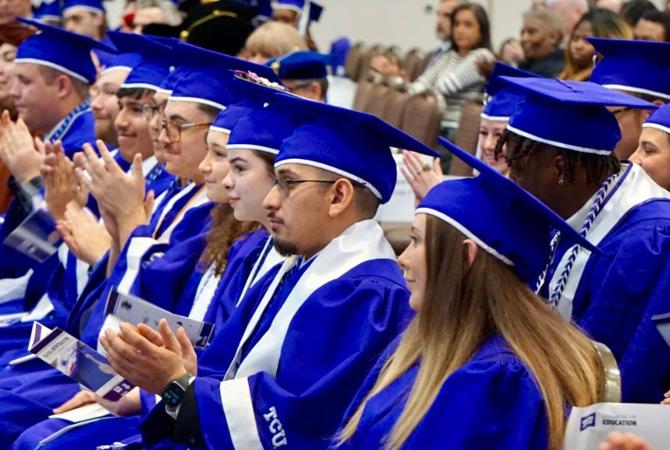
(487, 171)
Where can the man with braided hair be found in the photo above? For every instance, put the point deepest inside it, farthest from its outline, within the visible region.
(568, 163)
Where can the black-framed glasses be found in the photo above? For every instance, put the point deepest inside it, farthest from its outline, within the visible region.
(285, 185)
(173, 130)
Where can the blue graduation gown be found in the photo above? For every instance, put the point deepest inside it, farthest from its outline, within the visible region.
(491, 402)
(615, 289)
(330, 343)
(242, 256)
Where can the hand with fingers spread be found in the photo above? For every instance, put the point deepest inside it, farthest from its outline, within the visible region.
(60, 183)
(120, 193)
(18, 150)
(420, 176)
(149, 360)
(85, 237)
(628, 441)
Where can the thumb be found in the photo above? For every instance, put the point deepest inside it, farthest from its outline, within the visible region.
(149, 203)
(137, 168)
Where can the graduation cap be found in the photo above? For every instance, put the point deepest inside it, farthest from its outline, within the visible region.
(124, 62)
(352, 144)
(659, 119)
(641, 67)
(93, 6)
(48, 12)
(62, 50)
(155, 63)
(204, 76)
(301, 65)
(263, 129)
(250, 96)
(569, 114)
(507, 222)
(502, 102)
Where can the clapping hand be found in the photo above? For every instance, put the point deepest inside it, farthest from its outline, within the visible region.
(18, 149)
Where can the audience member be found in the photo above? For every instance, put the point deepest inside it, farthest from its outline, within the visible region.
(271, 40)
(633, 9)
(579, 53)
(653, 26)
(613, 5)
(541, 38)
(570, 10)
(511, 52)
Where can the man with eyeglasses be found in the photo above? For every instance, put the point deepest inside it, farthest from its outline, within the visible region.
(307, 333)
(637, 68)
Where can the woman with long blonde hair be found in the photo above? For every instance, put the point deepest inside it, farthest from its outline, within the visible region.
(485, 363)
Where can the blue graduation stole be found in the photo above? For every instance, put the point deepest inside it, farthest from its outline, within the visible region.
(61, 129)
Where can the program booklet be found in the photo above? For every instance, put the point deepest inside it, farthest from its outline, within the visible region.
(36, 237)
(134, 310)
(78, 361)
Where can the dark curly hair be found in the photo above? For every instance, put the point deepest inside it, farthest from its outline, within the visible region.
(223, 234)
(520, 150)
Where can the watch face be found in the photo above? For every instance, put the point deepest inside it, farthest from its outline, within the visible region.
(173, 394)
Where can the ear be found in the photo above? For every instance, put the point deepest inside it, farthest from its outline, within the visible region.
(341, 197)
(315, 90)
(64, 86)
(470, 252)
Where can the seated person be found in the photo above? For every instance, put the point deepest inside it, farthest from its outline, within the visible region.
(653, 151)
(484, 358)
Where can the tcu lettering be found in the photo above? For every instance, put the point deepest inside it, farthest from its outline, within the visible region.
(278, 433)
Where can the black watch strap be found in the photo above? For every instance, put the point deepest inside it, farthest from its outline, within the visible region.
(175, 390)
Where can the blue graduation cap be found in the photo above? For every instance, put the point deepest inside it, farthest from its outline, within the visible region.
(59, 49)
(94, 6)
(502, 102)
(659, 119)
(122, 62)
(263, 129)
(301, 65)
(155, 63)
(507, 222)
(48, 11)
(352, 144)
(569, 114)
(250, 96)
(641, 67)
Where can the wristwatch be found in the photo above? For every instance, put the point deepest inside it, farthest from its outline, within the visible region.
(174, 392)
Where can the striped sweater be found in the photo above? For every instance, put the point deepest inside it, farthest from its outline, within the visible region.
(455, 80)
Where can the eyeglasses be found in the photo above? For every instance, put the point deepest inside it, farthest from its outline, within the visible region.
(173, 130)
(285, 185)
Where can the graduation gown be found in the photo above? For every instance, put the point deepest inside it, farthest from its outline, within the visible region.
(300, 339)
(35, 392)
(244, 255)
(491, 402)
(608, 294)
